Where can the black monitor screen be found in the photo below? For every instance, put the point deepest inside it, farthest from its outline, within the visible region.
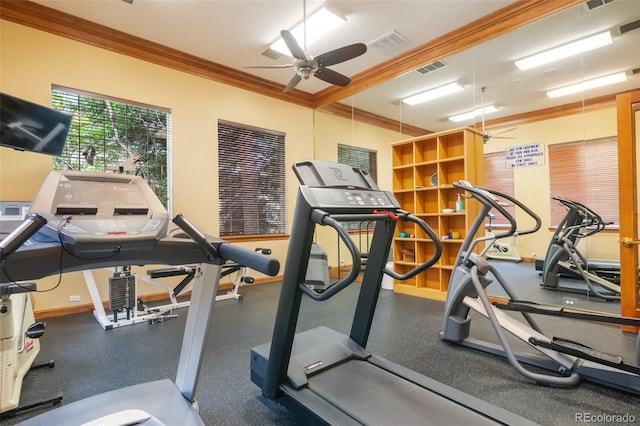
(31, 127)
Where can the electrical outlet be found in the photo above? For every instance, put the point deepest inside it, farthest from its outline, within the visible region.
(74, 298)
(534, 254)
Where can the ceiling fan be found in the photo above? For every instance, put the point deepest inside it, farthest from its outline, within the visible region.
(306, 65)
(486, 135)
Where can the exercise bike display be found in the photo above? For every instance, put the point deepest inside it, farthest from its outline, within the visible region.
(568, 361)
(328, 377)
(564, 259)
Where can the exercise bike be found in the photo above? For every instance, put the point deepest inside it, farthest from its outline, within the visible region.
(568, 361)
(564, 259)
(500, 250)
(19, 331)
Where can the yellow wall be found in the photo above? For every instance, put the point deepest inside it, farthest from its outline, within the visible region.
(532, 183)
(32, 61)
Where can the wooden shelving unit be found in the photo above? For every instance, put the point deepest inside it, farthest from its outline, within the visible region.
(424, 169)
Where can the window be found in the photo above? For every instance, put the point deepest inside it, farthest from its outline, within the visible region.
(360, 158)
(500, 178)
(587, 172)
(105, 133)
(251, 180)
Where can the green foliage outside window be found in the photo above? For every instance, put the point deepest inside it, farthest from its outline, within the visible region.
(105, 133)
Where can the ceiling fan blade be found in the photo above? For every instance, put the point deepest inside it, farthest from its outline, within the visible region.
(341, 54)
(270, 66)
(292, 45)
(503, 131)
(330, 76)
(292, 83)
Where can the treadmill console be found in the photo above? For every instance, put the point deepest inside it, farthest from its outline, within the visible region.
(99, 212)
(328, 185)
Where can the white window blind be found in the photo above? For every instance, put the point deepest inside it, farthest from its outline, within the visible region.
(251, 174)
(500, 178)
(587, 172)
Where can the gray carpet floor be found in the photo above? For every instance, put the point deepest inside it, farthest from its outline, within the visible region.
(89, 360)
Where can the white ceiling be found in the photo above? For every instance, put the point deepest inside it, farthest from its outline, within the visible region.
(235, 33)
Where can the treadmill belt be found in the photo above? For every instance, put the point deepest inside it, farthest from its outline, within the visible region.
(372, 395)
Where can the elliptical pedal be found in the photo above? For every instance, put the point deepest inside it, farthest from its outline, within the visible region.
(584, 352)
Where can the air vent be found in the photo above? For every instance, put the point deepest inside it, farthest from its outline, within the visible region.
(431, 67)
(635, 70)
(270, 53)
(389, 43)
(625, 28)
(594, 4)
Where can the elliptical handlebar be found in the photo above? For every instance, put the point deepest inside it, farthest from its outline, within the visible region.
(589, 218)
(485, 196)
(488, 198)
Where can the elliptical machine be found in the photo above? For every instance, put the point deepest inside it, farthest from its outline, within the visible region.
(568, 360)
(563, 257)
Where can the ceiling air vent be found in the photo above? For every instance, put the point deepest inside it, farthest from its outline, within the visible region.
(270, 53)
(389, 43)
(593, 4)
(630, 26)
(431, 67)
(635, 70)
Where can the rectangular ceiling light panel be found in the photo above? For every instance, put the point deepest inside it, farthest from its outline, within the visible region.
(321, 23)
(429, 95)
(472, 114)
(567, 50)
(588, 84)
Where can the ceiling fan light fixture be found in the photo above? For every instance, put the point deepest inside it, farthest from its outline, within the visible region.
(320, 23)
(431, 94)
(566, 50)
(588, 84)
(472, 114)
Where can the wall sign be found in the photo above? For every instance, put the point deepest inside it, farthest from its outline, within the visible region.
(524, 156)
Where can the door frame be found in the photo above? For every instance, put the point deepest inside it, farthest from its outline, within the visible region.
(628, 196)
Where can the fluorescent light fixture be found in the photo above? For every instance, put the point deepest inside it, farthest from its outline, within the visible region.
(319, 24)
(570, 49)
(431, 94)
(471, 114)
(588, 84)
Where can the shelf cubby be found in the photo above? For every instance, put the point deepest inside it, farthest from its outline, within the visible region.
(426, 202)
(403, 178)
(452, 156)
(426, 150)
(403, 155)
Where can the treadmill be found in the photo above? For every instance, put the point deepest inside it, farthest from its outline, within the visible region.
(83, 220)
(327, 377)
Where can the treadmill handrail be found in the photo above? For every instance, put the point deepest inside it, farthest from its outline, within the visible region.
(429, 262)
(222, 251)
(21, 234)
(323, 218)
